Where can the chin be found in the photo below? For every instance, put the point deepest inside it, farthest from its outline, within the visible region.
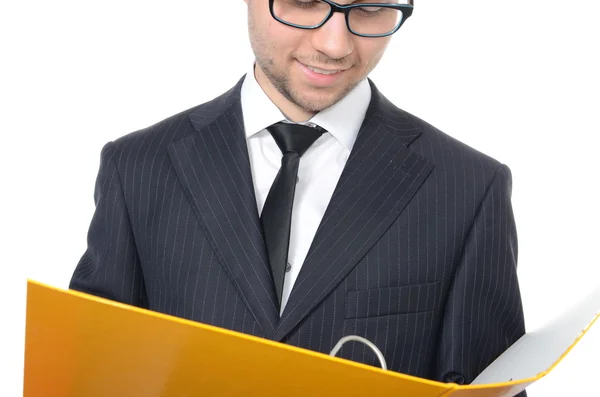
(316, 102)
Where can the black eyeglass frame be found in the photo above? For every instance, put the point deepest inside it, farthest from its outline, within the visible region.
(406, 9)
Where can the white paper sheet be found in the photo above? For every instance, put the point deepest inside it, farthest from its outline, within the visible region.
(538, 351)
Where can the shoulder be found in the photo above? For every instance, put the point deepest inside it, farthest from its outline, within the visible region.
(153, 141)
(451, 155)
(446, 153)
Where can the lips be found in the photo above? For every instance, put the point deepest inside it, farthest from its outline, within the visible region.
(319, 77)
(323, 71)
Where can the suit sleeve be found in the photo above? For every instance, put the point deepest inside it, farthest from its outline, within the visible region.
(484, 312)
(110, 266)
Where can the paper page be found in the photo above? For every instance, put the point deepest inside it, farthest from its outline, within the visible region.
(538, 351)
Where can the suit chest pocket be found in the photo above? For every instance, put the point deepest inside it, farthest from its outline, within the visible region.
(405, 299)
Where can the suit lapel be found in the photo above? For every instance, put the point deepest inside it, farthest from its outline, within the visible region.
(214, 170)
(380, 178)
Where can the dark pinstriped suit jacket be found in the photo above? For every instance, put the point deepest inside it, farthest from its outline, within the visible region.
(417, 250)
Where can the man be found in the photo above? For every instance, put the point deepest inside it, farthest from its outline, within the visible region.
(302, 206)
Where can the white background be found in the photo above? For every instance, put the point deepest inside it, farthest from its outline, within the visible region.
(517, 80)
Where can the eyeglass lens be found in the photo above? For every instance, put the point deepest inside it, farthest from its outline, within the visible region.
(367, 20)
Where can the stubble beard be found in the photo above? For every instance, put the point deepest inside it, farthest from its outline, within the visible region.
(281, 82)
(279, 79)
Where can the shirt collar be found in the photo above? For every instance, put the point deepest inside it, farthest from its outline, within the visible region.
(342, 120)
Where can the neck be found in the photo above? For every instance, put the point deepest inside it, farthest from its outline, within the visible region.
(292, 111)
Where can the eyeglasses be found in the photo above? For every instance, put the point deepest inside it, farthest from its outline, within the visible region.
(363, 19)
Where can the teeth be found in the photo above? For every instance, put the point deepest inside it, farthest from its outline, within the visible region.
(321, 71)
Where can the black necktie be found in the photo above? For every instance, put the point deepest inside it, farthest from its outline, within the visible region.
(276, 216)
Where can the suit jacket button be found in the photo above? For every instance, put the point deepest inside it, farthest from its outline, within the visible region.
(288, 267)
(454, 377)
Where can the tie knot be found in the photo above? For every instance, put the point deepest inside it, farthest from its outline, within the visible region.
(295, 138)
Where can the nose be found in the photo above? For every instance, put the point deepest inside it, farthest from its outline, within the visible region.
(334, 39)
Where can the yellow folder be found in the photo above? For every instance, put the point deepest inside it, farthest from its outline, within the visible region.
(81, 345)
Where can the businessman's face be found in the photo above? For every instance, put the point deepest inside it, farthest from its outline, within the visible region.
(285, 55)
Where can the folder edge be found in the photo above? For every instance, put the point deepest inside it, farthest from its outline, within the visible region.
(196, 324)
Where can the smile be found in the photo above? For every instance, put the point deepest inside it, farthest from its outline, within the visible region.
(322, 71)
(318, 77)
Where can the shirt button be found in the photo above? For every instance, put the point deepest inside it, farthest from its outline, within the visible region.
(288, 267)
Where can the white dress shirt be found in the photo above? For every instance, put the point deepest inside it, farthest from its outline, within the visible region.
(320, 166)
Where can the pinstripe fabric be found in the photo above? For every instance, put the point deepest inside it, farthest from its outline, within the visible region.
(417, 250)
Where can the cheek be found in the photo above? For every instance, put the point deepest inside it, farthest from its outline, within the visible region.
(285, 44)
(370, 53)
